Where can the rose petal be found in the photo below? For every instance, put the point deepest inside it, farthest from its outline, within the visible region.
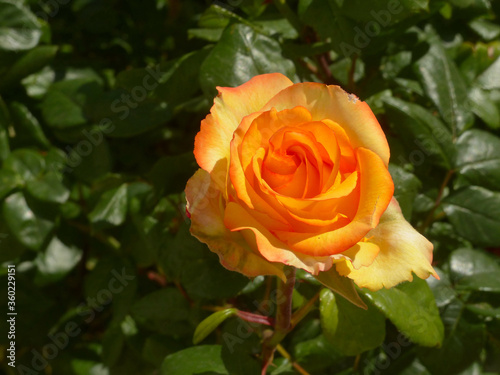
(403, 251)
(333, 103)
(211, 147)
(240, 220)
(376, 190)
(204, 206)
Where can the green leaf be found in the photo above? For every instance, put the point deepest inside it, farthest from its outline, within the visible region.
(485, 29)
(111, 209)
(163, 305)
(341, 285)
(180, 80)
(463, 343)
(29, 228)
(316, 354)
(357, 331)
(65, 102)
(406, 187)
(490, 78)
(210, 323)
(8, 182)
(484, 107)
(56, 261)
(19, 28)
(114, 280)
(198, 269)
(170, 173)
(329, 313)
(28, 129)
(482, 282)
(412, 309)
(475, 214)
(444, 85)
(442, 289)
(478, 158)
(89, 160)
(31, 62)
(424, 133)
(126, 110)
(26, 163)
(205, 359)
(239, 344)
(469, 262)
(4, 125)
(241, 54)
(48, 188)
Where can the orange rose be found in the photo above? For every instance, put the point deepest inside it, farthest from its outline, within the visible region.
(296, 174)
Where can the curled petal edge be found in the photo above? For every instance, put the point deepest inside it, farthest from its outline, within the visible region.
(403, 252)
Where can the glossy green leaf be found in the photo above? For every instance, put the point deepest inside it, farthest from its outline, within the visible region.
(485, 108)
(406, 187)
(357, 331)
(56, 261)
(422, 132)
(209, 324)
(19, 28)
(329, 313)
(478, 158)
(196, 360)
(490, 78)
(65, 102)
(443, 84)
(29, 228)
(412, 309)
(8, 182)
(48, 188)
(316, 354)
(111, 209)
(466, 262)
(475, 213)
(482, 282)
(26, 163)
(180, 79)
(341, 285)
(442, 289)
(31, 62)
(240, 54)
(461, 347)
(122, 111)
(486, 29)
(27, 127)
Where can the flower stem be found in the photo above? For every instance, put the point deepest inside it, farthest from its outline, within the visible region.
(430, 217)
(297, 367)
(283, 317)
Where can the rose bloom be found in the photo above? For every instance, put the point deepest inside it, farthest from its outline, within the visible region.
(297, 174)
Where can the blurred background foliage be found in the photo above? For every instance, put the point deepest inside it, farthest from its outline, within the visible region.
(100, 101)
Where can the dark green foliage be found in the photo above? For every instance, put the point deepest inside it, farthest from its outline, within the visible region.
(100, 101)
